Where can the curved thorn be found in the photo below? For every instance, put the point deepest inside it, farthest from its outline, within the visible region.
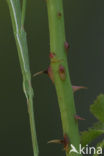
(39, 73)
(78, 117)
(76, 88)
(56, 141)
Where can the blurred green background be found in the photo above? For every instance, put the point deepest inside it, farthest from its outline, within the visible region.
(84, 22)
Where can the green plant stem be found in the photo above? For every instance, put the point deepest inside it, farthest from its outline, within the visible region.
(21, 42)
(63, 87)
(23, 12)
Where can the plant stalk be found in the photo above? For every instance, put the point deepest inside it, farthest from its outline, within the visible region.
(23, 12)
(63, 86)
(21, 42)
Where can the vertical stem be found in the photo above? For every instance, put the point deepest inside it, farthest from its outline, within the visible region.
(63, 86)
(23, 12)
(21, 42)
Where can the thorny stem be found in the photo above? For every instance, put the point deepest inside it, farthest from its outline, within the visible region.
(21, 42)
(61, 74)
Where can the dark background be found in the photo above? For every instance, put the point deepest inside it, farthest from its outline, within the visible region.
(84, 22)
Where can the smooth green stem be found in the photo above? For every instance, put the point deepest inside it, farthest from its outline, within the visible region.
(21, 42)
(63, 87)
(23, 12)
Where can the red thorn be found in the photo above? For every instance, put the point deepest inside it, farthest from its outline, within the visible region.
(76, 88)
(52, 55)
(64, 141)
(47, 71)
(59, 14)
(50, 73)
(62, 72)
(66, 45)
(78, 118)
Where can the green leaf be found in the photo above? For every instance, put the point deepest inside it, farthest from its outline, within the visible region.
(88, 136)
(98, 125)
(97, 109)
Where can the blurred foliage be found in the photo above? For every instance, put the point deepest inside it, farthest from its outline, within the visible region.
(97, 129)
(97, 108)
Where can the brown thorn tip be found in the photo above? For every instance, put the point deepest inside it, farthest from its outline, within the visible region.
(56, 141)
(41, 72)
(78, 117)
(76, 88)
(64, 141)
